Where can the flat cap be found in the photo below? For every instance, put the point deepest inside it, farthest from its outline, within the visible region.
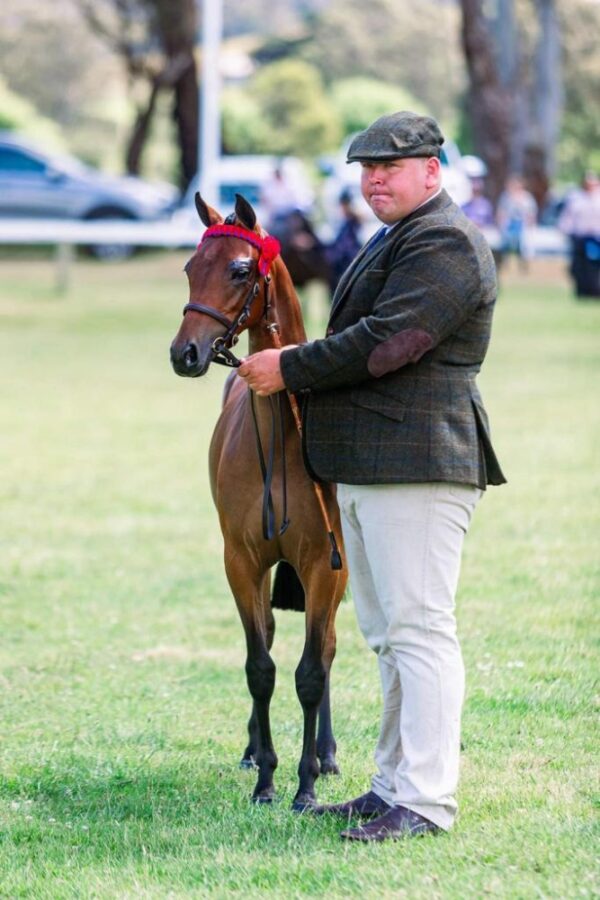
(396, 136)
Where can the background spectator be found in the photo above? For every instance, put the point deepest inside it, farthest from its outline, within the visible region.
(580, 219)
(517, 211)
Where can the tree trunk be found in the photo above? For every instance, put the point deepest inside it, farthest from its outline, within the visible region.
(177, 24)
(185, 113)
(140, 131)
(490, 102)
(540, 159)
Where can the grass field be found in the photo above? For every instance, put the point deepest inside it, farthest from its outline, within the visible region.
(121, 657)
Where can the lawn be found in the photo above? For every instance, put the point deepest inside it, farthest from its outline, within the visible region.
(121, 662)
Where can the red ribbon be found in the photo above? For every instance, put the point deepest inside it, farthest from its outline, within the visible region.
(269, 246)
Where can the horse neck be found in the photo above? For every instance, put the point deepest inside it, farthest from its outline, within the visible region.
(285, 312)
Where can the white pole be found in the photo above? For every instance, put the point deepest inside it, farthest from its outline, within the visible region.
(209, 137)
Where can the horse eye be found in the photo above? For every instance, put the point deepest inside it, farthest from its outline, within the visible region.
(240, 272)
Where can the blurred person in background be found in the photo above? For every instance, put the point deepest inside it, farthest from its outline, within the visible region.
(580, 220)
(347, 241)
(279, 200)
(479, 208)
(516, 212)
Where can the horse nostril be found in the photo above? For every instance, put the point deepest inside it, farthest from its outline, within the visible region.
(190, 355)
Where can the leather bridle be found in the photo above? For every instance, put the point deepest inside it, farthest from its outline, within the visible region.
(221, 346)
(269, 250)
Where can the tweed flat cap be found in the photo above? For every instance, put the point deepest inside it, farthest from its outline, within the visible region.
(396, 136)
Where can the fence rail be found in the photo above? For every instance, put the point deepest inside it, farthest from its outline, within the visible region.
(179, 232)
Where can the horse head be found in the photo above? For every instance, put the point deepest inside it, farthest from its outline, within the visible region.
(225, 279)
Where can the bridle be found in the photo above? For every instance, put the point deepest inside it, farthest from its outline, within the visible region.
(221, 353)
(269, 250)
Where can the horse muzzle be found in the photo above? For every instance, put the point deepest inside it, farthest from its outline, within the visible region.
(190, 360)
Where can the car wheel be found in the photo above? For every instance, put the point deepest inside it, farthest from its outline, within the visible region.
(110, 252)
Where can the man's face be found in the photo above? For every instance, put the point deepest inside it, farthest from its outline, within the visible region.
(396, 187)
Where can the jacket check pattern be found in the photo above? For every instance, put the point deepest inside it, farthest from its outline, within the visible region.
(432, 276)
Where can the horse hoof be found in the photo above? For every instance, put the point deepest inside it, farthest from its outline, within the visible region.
(329, 767)
(304, 803)
(265, 797)
(247, 763)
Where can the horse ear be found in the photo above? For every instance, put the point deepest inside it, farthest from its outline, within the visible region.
(208, 215)
(245, 212)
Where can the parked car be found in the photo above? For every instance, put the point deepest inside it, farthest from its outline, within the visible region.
(247, 175)
(37, 184)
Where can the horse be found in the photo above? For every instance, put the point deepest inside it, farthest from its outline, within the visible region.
(237, 281)
(304, 254)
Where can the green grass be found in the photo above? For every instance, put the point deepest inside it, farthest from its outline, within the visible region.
(121, 660)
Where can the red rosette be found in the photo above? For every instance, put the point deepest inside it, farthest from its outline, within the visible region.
(270, 251)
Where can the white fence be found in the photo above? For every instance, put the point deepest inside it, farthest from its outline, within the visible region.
(66, 234)
(183, 232)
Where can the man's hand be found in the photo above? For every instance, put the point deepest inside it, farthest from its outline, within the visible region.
(262, 372)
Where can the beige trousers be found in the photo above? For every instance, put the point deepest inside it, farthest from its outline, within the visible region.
(403, 547)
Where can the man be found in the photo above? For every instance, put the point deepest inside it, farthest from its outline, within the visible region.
(580, 220)
(516, 213)
(393, 415)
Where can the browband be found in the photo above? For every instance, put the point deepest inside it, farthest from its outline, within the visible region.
(268, 245)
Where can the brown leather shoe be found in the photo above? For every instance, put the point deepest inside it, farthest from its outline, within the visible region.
(398, 822)
(367, 806)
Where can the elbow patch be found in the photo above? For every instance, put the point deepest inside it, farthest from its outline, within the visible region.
(402, 348)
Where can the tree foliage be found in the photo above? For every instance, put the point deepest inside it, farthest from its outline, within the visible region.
(579, 147)
(137, 84)
(358, 101)
(50, 59)
(283, 110)
(413, 44)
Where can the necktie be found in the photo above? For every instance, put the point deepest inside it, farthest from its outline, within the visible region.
(378, 236)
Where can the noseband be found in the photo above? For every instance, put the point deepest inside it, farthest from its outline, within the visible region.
(269, 250)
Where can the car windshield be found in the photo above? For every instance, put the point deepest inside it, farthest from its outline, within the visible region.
(68, 165)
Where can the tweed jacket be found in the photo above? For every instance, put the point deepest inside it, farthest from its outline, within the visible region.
(389, 395)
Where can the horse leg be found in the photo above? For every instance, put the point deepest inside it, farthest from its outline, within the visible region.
(248, 760)
(249, 592)
(260, 674)
(326, 745)
(248, 757)
(311, 678)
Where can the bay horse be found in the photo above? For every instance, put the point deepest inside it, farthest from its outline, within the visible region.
(237, 281)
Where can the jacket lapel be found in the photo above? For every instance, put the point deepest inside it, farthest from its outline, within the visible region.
(363, 258)
(372, 249)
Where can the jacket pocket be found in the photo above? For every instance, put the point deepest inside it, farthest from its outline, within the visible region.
(379, 403)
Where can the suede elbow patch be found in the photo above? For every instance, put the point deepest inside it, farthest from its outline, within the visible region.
(399, 350)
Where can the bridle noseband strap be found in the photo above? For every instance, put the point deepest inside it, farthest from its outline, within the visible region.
(221, 351)
(208, 311)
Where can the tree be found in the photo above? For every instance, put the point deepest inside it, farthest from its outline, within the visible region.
(50, 59)
(515, 88)
(293, 102)
(579, 147)
(489, 101)
(156, 40)
(412, 44)
(359, 101)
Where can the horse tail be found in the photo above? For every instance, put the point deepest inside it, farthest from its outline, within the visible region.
(288, 592)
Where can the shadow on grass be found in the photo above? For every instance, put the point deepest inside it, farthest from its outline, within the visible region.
(130, 811)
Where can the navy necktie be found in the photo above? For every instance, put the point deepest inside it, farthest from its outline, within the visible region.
(378, 236)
